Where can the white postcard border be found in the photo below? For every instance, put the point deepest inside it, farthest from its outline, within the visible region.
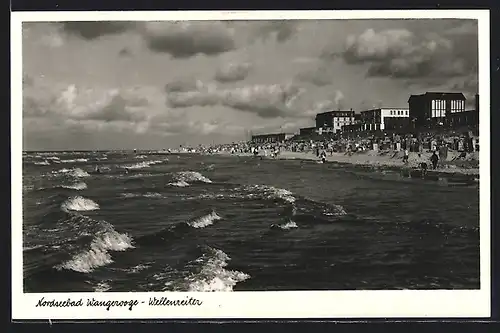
(289, 304)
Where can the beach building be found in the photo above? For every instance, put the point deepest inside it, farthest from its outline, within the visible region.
(385, 119)
(352, 130)
(431, 109)
(271, 138)
(469, 118)
(307, 131)
(332, 121)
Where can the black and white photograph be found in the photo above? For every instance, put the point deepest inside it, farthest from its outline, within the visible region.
(255, 155)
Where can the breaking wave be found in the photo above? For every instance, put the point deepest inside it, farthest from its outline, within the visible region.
(77, 160)
(285, 226)
(270, 192)
(142, 195)
(212, 275)
(75, 172)
(79, 203)
(205, 220)
(42, 163)
(107, 239)
(77, 186)
(190, 176)
(180, 183)
(142, 165)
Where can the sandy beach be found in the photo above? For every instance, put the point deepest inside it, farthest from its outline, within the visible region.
(467, 166)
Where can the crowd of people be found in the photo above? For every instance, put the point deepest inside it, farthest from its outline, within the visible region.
(437, 144)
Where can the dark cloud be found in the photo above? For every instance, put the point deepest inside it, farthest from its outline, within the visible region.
(282, 30)
(95, 29)
(181, 85)
(187, 39)
(233, 72)
(321, 75)
(400, 53)
(118, 109)
(125, 52)
(266, 101)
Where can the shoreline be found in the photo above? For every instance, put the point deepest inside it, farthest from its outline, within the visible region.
(372, 160)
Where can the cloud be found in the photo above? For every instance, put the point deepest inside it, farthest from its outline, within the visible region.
(90, 107)
(321, 75)
(233, 72)
(125, 52)
(266, 101)
(281, 31)
(186, 39)
(72, 110)
(96, 29)
(400, 53)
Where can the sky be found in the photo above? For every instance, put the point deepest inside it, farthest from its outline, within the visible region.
(153, 85)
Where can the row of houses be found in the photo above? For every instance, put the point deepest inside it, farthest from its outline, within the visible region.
(425, 111)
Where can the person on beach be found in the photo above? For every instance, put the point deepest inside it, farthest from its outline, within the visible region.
(405, 156)
(323, 156)
(423, 169)
(434, 160)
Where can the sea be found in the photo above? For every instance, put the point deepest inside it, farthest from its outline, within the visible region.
(154, 221)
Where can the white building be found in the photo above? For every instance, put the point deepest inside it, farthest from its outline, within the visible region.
(332, 121)
(385, 119)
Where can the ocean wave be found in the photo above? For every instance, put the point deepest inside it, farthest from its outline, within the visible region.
(77, 186)
(102, 287)
(271, 192)
(77, 160)
(108, 239)
(205, 220)
(79, 203)
(285, 226)
(144, 164)
(335, 210)
(139, 195)
(212, 275)
(191, 176)
(75, 172)
(42, 163)
(180, 183)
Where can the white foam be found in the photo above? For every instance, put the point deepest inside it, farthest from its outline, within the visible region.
(102, 287)
(42, 163)
(79, 203)
(146, 195)
(273, 192)
(78, 173)
(180, 183)
(338, 210)
(187, 176)
(77, 186)
(77, 160)
(153, 195)
(205, 220)
(142, 165)
(98, 255)
(288, 225)
(213, 276)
